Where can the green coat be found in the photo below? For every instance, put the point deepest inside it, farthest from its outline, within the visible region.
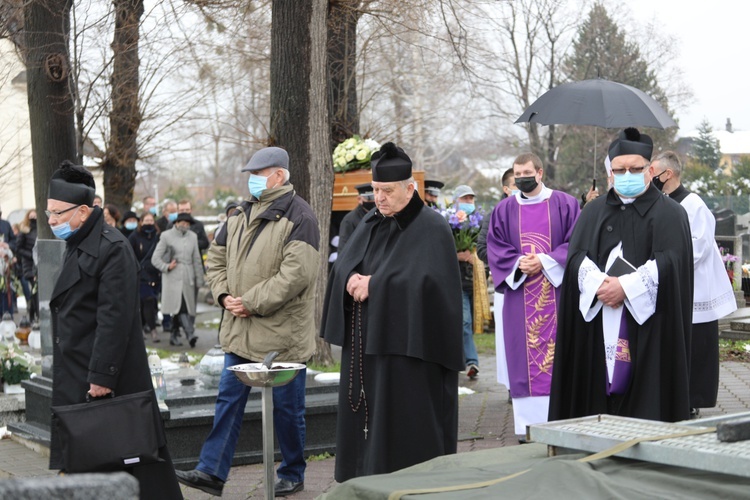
(274, 271)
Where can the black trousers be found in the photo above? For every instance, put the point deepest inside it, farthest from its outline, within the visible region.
(704, 365)
(148, 312)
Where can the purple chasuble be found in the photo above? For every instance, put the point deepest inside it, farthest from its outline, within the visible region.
(529, 312)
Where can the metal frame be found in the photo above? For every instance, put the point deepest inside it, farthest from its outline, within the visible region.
(601, 432)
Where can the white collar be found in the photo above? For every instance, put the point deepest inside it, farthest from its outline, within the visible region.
(544, 194)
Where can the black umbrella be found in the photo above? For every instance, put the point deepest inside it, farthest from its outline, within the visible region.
(598, 102)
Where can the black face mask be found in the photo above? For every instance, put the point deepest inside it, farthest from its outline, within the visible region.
(368, 205)
(32, 222)
(148, 228)
(526, 184)
(658, 183)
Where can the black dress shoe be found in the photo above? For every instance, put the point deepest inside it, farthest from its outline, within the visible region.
(200, 480)
(284, 487)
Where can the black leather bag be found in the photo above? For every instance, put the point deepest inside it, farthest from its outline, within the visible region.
(109, 434)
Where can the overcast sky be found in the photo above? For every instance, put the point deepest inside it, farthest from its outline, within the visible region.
(714, 55)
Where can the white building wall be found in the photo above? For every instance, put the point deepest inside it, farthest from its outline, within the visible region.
(16, 168)
(16, 174)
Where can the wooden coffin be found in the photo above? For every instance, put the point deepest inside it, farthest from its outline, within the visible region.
(345, 192)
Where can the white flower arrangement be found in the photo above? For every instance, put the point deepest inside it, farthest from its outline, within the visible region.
(354, 153)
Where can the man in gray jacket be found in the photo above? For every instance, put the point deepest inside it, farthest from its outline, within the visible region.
(262, 268)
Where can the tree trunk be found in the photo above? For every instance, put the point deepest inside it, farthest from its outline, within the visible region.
(342, 76)
(299, 117)
(47, 26)
(125, 116)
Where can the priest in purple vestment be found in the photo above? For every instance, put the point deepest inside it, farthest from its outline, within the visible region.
(527, 245)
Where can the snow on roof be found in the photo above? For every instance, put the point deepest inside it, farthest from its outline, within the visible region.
(730, 143)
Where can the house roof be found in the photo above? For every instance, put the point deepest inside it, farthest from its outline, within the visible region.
(730, 143)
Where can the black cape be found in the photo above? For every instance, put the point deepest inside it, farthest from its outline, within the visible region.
(412, 342)
(653, 227)
(97, 338)
(349, 223)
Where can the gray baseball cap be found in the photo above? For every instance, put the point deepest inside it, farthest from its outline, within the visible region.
(462, 190)
(267, 157)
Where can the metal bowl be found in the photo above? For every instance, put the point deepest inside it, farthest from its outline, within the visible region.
(257, 375)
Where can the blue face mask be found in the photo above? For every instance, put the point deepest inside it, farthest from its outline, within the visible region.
(256, 184)
(131, 225)
(630, 185)
(63, 231)
(514, 192)
(152, 210)
(172, 217)
(466, 207)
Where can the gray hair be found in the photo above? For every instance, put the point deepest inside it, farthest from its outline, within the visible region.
(670, 160)
(406, 182)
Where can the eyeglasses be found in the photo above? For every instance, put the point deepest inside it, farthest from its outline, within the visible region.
(50, 213)
(632, 170)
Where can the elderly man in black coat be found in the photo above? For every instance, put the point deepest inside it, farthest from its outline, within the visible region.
(394, 305)
(97, 338)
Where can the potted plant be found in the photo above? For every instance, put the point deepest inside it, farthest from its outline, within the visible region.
(15, 366)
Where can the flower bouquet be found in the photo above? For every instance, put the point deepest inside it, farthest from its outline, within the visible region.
(465, 227)
(354, 154)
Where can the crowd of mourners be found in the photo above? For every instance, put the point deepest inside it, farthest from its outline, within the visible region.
(170, 274)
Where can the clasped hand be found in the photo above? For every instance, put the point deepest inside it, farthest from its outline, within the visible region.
(234, 305)
(465, 256)
(530, 264)
(97, 391)
(358, 287)
(610, 292)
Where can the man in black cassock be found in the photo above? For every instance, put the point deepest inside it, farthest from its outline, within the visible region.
(623, 342)
(365, 203)
(394, 304)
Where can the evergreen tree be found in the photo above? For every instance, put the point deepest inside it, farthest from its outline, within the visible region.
(706, 149)
(602, 50)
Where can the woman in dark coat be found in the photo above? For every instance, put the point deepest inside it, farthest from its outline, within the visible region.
(143, 241)
(97, 340)
(25, 242)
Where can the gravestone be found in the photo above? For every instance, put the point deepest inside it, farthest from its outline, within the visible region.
(36, 428)
(726, 221)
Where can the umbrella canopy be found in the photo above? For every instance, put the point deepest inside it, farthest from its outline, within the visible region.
(601, 103)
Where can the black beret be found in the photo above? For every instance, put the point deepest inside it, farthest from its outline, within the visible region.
(390, 164)
(73, 184)
(130, 215)
(183, 217)
(631, 142)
